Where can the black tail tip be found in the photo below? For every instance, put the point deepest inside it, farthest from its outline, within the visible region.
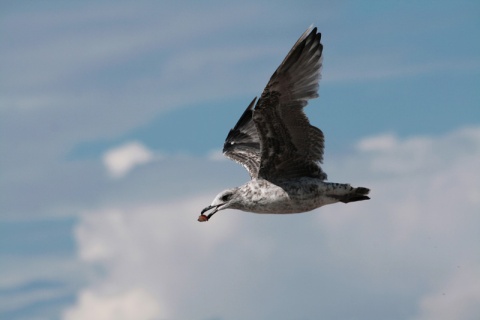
(358, 194)
(354, 198)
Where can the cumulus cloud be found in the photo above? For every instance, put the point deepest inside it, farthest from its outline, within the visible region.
(426, 195)
(133, 304)
(165, 263)
(120, 160)
(385, 258)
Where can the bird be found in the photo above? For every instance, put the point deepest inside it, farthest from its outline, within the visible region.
(277, 145)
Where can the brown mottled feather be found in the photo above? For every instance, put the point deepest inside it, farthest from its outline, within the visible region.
(275, 140)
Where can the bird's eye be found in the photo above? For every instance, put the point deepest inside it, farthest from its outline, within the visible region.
(226, 197)
(232, 143)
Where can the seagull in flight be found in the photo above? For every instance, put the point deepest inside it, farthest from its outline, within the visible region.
(278, 146)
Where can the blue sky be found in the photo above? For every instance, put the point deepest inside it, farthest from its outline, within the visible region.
(112, 116)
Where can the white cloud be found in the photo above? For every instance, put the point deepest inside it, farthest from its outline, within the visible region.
(379, 142)
(425, 202)
(388, 154)
(175, 249)
(424, 184)
(390, 253)
(133, 304)
(120, 160)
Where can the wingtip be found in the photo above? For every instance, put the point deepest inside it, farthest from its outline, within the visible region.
(310, 30)
(252, 104)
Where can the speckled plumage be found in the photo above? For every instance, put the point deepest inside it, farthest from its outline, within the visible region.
(281, 151)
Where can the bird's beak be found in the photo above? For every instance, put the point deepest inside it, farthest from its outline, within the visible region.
(207, 208)
(203, 217)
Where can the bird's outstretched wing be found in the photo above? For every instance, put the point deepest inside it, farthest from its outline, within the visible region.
(276, 139)
(243, 143)
(290, 146)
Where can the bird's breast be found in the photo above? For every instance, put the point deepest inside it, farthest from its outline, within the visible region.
(262, 196)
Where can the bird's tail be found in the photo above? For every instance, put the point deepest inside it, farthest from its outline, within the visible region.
(355, 194)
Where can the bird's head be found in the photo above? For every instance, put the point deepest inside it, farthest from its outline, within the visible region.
(224, 200)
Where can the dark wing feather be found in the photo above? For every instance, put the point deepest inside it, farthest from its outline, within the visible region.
(243, 143)
(290, 146)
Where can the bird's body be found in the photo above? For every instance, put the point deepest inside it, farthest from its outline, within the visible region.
(275, 142)
(289, 196)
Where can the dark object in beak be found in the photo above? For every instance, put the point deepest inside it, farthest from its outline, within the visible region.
(203, 217)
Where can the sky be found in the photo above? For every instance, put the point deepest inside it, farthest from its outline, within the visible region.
(112, 119)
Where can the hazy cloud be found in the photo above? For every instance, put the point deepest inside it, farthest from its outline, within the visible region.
(458, 297)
